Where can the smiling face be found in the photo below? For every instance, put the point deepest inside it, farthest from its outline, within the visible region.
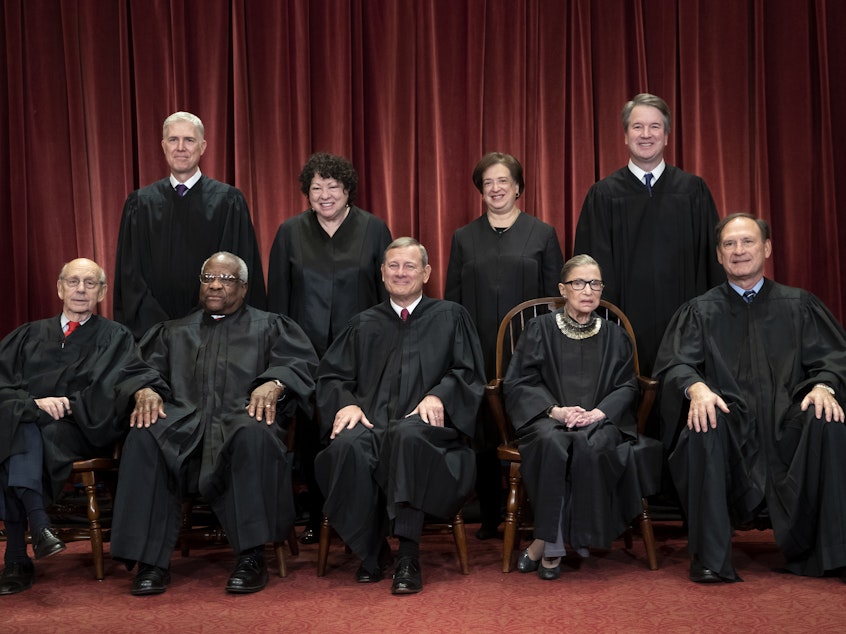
(581, 303)
(743, 251)
(404, 274)
(646, 137)
(328, 198)
(499, 190)
(183, 146)
(216, 297)
(80, 289)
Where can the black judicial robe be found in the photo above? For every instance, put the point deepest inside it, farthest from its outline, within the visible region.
(489, 273)
(36, 360)
(762, 359)
(211, 367)
(163, 242)
(655, 252)
(322, 281)
(590, 472)
(386, 367)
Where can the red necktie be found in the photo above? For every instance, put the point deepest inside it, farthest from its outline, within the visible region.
(404, 314)
(72, 325)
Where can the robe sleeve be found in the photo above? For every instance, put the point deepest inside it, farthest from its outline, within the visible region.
(823, 349)
(245, 245)
(553, 262)
(452, 287)
(593, 237)
(337, 381)
(527, 396)
(279, 273)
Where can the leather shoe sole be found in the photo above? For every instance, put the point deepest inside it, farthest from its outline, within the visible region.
(700, 574)
(250, 575)
(407, 577)
(150, 580)
(46, 543)
(16, 577)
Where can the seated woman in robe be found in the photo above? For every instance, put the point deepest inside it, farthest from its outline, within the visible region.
(570, 391)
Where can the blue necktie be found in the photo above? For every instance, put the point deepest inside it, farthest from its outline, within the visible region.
(181, 189)
(648, 179)
(749, 296)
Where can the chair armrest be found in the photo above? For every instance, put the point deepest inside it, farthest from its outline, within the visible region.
(496, 406)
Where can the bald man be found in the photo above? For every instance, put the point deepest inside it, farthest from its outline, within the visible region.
(57, 405)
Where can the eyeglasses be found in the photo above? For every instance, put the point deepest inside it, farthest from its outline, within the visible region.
(578, 285)
(73, 282)
(226, 280)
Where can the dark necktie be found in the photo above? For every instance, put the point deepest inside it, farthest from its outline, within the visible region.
(749, 296)
(181, 189)
(648, 179)
(404, 314)
(72, 325)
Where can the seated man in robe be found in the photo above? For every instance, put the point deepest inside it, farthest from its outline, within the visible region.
(751, 375)
(229, 373)
(398, 392)
(57, 405)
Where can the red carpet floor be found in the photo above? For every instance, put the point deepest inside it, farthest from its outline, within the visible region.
(612, 591)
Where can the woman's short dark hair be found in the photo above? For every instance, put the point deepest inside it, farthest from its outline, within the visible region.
(327, 165)
(498, 158)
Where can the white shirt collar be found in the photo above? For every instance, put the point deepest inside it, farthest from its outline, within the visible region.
(189, 183)
(656, 173)
(65, 321)
(398, 309)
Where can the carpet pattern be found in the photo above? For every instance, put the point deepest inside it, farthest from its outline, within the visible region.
(612, 591)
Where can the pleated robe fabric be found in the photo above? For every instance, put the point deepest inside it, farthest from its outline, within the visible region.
(655, 252)
(36, 361)
(164, 240)
(586, 476)
(210, 367)
(386, 367)
(762, 359)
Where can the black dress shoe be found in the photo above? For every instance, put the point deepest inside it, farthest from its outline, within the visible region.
(550, 574)
(526, 563)
(407, 577)
(701, 574)
(45, 543)
(250, 575)
(17, 577)
(310, 536)
(363, 575)
(150, 580)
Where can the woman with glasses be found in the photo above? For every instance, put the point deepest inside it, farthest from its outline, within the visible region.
(324, 269)
(570, 391)
(502, 258)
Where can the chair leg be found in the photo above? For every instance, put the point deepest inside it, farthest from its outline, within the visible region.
(282, 568)
(94, 528)
(293, 544)
(459, 533)
(648, 536)
(323, 546)
(512, 511)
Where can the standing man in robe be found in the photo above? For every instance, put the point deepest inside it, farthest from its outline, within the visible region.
(229, 373)
(57, 405)
(398, 392)
(169, 228)
(752, 372)
(650, 227)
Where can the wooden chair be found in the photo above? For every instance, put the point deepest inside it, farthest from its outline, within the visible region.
(510, 328)
(456, 527)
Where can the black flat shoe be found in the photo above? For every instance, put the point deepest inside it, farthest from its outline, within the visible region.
(150, 580)
(17, 577)
(550, 574)
(250, 575)
(46, 543)
(363, 575)
(526, 563)
(407, 577)
(701, 574)
(310, 536)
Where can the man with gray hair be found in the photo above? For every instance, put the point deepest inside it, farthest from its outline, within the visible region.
(169, 228)
(230, 375)
(649, 225)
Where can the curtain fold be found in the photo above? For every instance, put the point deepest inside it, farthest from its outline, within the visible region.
(414, 92)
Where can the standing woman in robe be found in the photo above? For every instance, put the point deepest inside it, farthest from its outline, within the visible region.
(324, 269)
(570, 391)
(502, 258)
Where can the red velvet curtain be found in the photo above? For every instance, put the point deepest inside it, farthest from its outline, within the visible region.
(414, 92)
